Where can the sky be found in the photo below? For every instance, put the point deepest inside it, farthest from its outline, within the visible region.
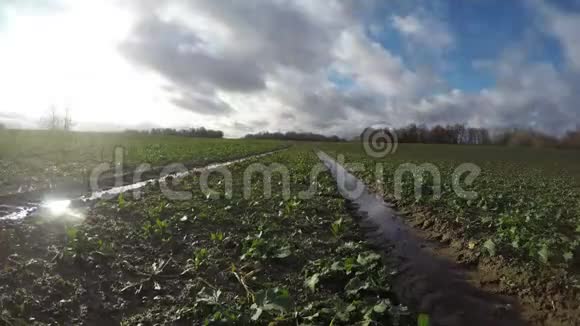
(331, 67)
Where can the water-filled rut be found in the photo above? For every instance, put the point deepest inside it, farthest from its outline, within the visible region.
(427, 283)
(19, 206)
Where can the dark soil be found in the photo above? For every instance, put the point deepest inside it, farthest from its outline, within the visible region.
(546, 295)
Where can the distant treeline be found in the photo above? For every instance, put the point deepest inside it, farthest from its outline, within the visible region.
(452, 134)
(192, 132)
(461, 134)
(538, 139)
(291, 135)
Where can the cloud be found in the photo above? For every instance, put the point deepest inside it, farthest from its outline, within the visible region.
(272, 59)
(527, 94)
(328, 67)
(12, 8)
(179, 55)
(564, 26)
(424, 30)
(227, 58)
(207, 105)
(16, 120)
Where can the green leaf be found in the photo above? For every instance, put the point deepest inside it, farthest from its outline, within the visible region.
(121, 201)
(312, 281)
(423, 320)
(271, 300)
(283, 252)
(568, 256)
(355, 285)
(337, 227)
(258, 312)
(365, 260)
(490, 246)
(381, 307)
(544, 254)
(281, 300)
(71, 233)
(337, 266)
(349, 264)
(343, 311)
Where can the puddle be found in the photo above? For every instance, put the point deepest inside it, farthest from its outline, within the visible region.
(8, 212)
(122, 189)
(74, 198)
(429, 284)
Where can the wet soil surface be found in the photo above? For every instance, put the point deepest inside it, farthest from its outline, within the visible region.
(445, 278)
(547, 296)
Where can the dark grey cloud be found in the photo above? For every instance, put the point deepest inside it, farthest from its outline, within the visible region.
(250, 126)
(268, 36)
(321, 108)
(278, 33)
(208, 105)
(177, 53)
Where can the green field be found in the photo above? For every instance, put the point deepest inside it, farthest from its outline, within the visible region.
(527, 204)
(281, 259)
(239, 260)
(35, 159)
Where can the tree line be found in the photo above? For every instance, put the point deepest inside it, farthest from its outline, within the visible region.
(461, 134)
(53, 120)
(535, 138)
(191, 132)
(291, 135)
(451, 134)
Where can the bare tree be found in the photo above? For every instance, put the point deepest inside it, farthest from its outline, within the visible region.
(50, 120)
(67, 120)
(54, 121)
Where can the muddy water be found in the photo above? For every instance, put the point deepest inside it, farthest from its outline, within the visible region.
(19, 206)
(427, 283)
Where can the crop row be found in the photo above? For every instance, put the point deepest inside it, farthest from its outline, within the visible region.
(37, 158)
(242, 260)
(518, 211)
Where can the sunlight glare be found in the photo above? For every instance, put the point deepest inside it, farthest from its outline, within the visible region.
(58, 207)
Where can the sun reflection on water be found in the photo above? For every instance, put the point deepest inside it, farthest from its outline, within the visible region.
(57, 207)
(61, 210)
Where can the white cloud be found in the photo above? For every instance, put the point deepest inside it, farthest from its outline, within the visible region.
(425, 30)
(564, 26)
(527, 94)
(409, 25)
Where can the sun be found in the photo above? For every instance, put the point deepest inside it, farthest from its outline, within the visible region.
(69, 58)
